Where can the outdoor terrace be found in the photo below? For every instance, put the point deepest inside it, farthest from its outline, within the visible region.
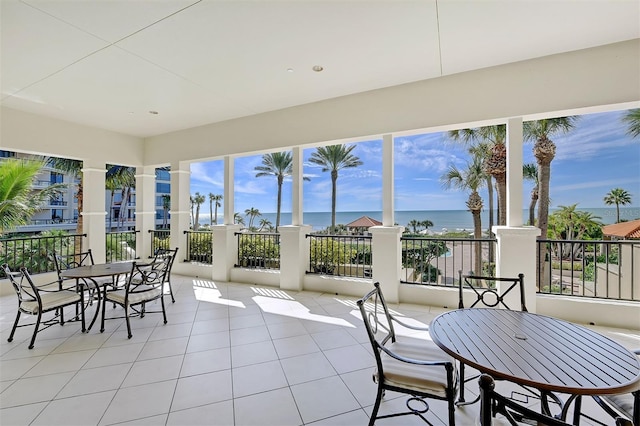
(230, 354)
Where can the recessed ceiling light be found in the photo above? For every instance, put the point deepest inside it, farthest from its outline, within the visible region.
(317, 68)
(153, 112)
(289, 69)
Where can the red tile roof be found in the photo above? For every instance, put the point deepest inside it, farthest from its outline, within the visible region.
(364, 222)
(629, 230)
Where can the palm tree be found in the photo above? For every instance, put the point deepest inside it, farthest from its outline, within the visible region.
(426, 223)
(413, 223)
(265, 223)
(545, 150)
(17, 201)
(333, 158)
(166, 204)
(252, 213)
(280, 165)
(238, 219)
(617, 196)
(115, 176)
(493, 152)
(632, 118)
(215, 200)
(198, 200)
(471, 179)
(530, 172)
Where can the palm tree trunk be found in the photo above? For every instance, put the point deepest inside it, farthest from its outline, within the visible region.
(617, 213)
(280, 180)
(501, 183)
(491, 206)
(532, 206)
(543, 217)
(477, 245)
(334, 180)
(216, 218)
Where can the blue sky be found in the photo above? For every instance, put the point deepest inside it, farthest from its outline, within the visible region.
(595, 157)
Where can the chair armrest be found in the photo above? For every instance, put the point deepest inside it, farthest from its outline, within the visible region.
(415, 361)
(412, 327)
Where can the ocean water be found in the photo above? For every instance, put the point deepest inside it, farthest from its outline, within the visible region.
(442, 219)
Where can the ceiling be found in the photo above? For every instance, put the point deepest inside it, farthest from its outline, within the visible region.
(112, 63)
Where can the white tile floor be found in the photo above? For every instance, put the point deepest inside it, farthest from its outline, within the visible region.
(231, 354)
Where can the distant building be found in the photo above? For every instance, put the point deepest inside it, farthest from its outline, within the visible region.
(623, 231)
(362, 225)
(61, 212)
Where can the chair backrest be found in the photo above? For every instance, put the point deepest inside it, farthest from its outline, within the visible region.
(25, 289)
(165, 252)
(148, 277)
(492, 402)
(377, 320)
(486, 292)
(71, 260)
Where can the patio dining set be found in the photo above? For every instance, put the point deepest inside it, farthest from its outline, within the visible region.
(481, 345)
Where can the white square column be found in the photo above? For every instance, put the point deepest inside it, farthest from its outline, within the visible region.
(517, 254)
(145, 209)
(294, 256)
(93, 207)
(225, 250)
(386, 256)
(180, 214)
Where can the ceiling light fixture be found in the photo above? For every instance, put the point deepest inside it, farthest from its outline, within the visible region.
(317, 68)
(289, 69)
(153, 112)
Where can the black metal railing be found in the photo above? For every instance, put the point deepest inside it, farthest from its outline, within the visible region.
(340, 255)
(121, 246)
(34, 253)
(436, 261)
(583, 268)
(258, 250)
(160, 239)
(199, 246)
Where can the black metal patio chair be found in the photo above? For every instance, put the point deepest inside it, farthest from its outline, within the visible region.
(411, 366)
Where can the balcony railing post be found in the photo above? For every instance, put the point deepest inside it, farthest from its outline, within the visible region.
(294, 255)
(386, 257)
(225, 247)
(517, 254)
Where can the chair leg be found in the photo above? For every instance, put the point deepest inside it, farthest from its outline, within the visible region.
(35, 330)
(452, 412)
(173, 300)
(461, 393)
(126, 315)
(164, 313)
(104, 308)
(376, 406)
(15, 325)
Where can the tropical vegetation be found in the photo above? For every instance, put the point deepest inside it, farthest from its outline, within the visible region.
(617, 196)
(280, 165)
(334, 158)
(470, 179)
(18, 201)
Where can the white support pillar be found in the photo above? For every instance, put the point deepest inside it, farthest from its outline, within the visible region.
(386, 254)
(387, 181)
(145, 209)
(514, 172)
(93, 207)
(296, 194)
(229, 176)
(180, 212)
(516, 243)
(225, 250)
(294, 256)
(517, 254)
